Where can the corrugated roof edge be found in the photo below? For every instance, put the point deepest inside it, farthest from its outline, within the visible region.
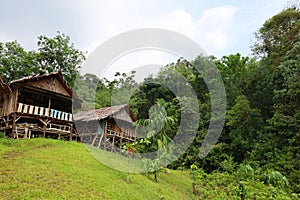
(101, 113)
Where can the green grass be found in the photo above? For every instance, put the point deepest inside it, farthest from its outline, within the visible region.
(50, 169)
(117, 161)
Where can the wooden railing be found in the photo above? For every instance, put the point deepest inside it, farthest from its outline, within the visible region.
(121, 134)
(41, 111)
(57, 127)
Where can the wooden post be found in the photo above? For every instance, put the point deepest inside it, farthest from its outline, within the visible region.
(113, 143)
(121, 143)
(99, 144)
(6, 122)
(49, 103)
(13, 131)
(134, 134)
(105, 127)
(105, 135)
(15, 108)
(25, 130)
(44, 130)
(71, 135)
(105, 138)
(94, 139)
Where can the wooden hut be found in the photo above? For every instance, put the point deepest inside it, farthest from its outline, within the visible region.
(106, 127)
(38, 105)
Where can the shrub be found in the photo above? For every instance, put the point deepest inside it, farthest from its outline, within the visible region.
(276, 179)
(2, 135)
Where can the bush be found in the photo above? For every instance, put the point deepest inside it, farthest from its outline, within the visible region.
(276, 179)
(2, 135)
(244, 183)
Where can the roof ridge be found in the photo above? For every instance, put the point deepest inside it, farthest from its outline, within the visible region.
(95, 109)
(40, 75)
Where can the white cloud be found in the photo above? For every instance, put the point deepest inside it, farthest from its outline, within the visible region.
(218, 27)
(143, 62)
(177, 20)
(211, 30)
(214, 27)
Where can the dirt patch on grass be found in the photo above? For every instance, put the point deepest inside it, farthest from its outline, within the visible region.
(43, 146)
(11, 155)
(23, 150)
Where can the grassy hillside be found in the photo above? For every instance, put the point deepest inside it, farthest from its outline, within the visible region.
(49, 169)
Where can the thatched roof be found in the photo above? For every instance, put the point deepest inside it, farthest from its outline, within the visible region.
(40, 82)
(37, 77)
(119, 112)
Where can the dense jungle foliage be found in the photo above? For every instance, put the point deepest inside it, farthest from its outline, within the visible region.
(261, 134)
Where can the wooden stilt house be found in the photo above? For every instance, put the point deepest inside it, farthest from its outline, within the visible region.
(38, 105)
(107, 127)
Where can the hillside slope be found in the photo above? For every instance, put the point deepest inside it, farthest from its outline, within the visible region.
(49, 169)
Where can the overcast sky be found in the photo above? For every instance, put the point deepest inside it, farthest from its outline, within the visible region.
(219, 27)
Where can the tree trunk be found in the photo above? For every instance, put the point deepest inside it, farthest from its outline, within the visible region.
(155, 177)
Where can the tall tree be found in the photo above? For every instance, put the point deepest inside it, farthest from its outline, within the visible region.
(58, 53)
(53, 54)
(278, 35)
(244, 125)
(16, 62)
(236, 73)
(278, 43)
